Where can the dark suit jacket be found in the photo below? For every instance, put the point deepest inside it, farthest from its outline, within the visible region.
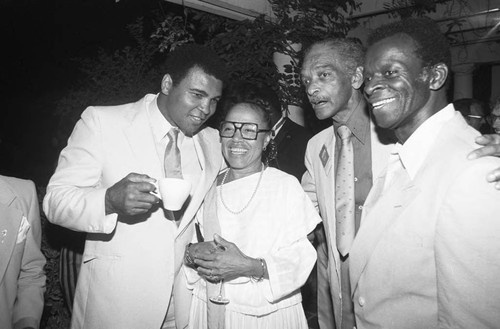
(291, 143)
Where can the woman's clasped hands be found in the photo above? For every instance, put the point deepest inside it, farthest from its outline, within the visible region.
(219, 260)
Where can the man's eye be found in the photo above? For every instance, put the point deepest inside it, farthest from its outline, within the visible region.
(389, 73)
(325, 74)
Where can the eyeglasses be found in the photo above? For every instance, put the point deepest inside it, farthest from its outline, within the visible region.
(492, 118)
(248, 130)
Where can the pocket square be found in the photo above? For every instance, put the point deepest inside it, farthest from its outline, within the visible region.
(23, 230)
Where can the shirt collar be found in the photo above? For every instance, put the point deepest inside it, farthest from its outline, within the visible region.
(159, 124)
(414, 151)
(358, 122)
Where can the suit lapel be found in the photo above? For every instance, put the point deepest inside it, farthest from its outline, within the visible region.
(142, 143)
(383, 210)
(326, 155)
(210, 156)
(10, 220)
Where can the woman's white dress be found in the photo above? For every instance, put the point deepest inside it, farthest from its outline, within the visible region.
(274, 227)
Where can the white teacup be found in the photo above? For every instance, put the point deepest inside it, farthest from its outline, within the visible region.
(172, 191)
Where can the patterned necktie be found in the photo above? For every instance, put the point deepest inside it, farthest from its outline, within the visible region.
(344, 192)
(173, 155)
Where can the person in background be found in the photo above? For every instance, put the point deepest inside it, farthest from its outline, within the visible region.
(474, 112)
(259, 218)
(426, 253)
(22, 278)
(494, 117)
(103, 182)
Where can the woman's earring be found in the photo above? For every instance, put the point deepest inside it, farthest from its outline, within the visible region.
(264, 148)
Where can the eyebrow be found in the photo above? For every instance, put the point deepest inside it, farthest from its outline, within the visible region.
(200, 91)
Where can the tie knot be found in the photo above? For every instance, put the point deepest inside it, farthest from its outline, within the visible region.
(344, 133)
(173, 133)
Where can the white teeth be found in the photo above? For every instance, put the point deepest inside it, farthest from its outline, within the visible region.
(383, 102)
(238, 150)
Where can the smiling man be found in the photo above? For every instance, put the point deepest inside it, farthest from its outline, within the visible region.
(134, 249)
(332, 73)
(426, 253)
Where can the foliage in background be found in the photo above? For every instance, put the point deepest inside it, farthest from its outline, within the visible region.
(413, 8)
(124, 75)
(172, 32)
(55, 314)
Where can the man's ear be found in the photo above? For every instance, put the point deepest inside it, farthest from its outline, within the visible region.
(357, 78)
(439, 73)
(166, 84)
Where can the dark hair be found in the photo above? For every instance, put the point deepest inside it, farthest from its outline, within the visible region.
(350, 51)
(432, 45)
(186, 57)
(464, 105)
(256, 94)
(261, 98)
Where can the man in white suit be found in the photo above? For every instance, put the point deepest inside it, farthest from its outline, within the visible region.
(332, 73)
(22, 279)
(134, 249)
(426, 254)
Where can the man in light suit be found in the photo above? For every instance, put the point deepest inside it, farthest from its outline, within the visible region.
(22, 279)
(426, 254)
(332, 73)
(134, 249)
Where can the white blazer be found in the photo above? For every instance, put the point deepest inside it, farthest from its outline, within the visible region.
(427, 252)
(129, 267)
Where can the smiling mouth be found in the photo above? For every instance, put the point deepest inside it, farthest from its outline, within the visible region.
(197, 119)
(380, 104)
(238, 150)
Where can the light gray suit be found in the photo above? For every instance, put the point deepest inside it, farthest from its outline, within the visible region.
(22, 279)
(319, 184)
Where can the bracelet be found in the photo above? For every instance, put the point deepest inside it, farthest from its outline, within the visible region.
(260, 278)
(188, 259)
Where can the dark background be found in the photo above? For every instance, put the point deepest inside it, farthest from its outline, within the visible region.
(40, 41)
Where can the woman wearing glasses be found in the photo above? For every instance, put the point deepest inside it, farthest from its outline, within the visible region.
(258, 217)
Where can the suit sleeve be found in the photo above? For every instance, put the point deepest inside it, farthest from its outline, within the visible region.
(75, 194)
(31, 282)
(467, 246)
(308, 182)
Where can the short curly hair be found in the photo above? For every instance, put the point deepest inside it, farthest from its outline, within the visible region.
(260, 98)
(186, 57)
(255, 94)
(350, 51)
(432, 45)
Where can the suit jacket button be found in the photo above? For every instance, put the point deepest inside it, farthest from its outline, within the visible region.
(361, 301)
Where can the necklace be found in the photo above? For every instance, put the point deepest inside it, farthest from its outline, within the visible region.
(251, 198)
